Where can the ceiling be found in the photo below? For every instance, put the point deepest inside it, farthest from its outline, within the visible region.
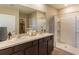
(22, 9)
(26, 10)
(58, 6)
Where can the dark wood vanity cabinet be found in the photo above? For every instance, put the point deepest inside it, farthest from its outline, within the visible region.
(32, 50)
(20, 49)
(42, 46)
(7, 51)
(46, 45)
(50, 45)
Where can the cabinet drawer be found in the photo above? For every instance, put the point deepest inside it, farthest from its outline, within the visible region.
(7, 51)
(22, 46)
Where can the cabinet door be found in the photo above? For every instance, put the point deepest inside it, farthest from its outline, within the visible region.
(35, 47)
(33, 50)
(7, 51)
(28, 51)
(42, 47)
(50, 45)
(22, 46)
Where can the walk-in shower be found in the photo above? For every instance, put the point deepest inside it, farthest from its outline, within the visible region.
(67, 30)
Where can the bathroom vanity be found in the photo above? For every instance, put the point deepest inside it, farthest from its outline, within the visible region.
(41, 44)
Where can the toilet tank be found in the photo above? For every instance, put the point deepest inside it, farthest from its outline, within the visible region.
(3, 33)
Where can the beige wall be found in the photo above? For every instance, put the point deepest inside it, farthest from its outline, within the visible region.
(11, 11)
(51, 11)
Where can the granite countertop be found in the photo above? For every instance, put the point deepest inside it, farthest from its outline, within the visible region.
(23, 39)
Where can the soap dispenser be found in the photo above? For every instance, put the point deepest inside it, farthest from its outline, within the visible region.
(9, 35)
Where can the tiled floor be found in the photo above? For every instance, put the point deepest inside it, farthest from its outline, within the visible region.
(68, 48)
(58, 51)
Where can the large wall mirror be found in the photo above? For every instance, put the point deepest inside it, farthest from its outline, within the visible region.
(38, 21)
(32, 20)
(7, 21)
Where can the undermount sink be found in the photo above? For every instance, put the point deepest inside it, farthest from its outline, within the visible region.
(25, 36)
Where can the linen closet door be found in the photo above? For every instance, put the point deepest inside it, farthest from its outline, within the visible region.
(68, 29)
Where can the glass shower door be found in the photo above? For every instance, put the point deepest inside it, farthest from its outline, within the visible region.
(68, 29)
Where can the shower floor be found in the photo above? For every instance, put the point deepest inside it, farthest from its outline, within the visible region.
(68, 48)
